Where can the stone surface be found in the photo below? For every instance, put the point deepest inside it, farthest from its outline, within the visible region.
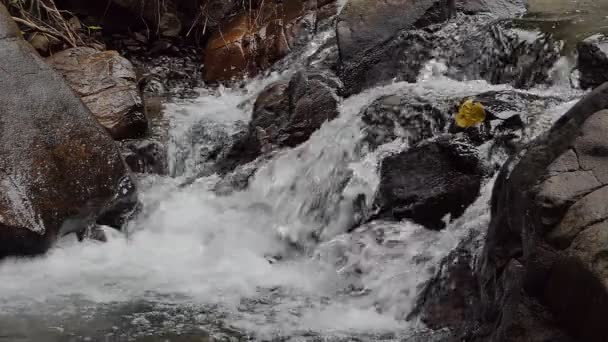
(254, 40)
(59, 170)
(501, 52)
(593, 61)
(402, 116)
(285, 115)
(413, 118)
(548, 216)
(146, 156)
(429, 181)
(450, 299)
(364, 25)
(499, 8)
(471, 46)
(106, 83)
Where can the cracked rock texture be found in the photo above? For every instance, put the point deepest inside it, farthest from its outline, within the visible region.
(106, 83)
(544, 269)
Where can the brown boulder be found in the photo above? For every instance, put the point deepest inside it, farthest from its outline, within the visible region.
(59, 170)
(106, 82)
(252, 41)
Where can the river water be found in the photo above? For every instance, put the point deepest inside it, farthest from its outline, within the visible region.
(199, 266)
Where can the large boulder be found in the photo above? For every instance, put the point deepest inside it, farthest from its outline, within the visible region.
(373, 47)
(253, 40)
(59, 169)
(106, 83)
(364, 25)
(284, 115)
(429, 181)
(475, 46)
(547, 238)
(593, 61)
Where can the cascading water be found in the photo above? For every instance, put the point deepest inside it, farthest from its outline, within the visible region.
(273, 261)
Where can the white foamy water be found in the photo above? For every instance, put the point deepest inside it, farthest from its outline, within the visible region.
(196, 260)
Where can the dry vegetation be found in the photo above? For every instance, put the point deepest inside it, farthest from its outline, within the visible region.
(43, 17)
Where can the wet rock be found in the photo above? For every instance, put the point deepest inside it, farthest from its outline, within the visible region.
(399, 59)
(285, 115)
(429, 181)
(402, 116)
(450, 300)
(106, 83)
(373, 45)
(252, 41)
(546, 219)
(363, 26)
(499, 8)
(59, 170)
(501, 52)
(593, 61)
(412, 118)
(146, 156)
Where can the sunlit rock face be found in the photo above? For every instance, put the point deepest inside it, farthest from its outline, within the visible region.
(59, 169)
(106, 83)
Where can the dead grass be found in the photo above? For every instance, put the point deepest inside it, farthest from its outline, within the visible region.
(44, 17)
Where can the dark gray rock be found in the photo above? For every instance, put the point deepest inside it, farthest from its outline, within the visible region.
(403, 116)
(363, 25)
(429, 181)
(499, 8)
(478, 46)
(451, 299)
(503, 52)
(375, 43)
(285, 115)
(593, 61)
(146, 156)
(413, 118)
(548, 219)
(399, 59)
(59, 169)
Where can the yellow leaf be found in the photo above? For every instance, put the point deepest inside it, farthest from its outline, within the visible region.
(470, 114)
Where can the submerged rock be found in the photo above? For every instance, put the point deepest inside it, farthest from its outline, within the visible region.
(593, 61)
(59, 170)
(146, 156)
(542, 271)
(429, 181)
(106, 83)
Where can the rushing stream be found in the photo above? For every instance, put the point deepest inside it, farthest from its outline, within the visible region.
(196, 265)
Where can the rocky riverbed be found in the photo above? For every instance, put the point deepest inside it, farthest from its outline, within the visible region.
(292, 171)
